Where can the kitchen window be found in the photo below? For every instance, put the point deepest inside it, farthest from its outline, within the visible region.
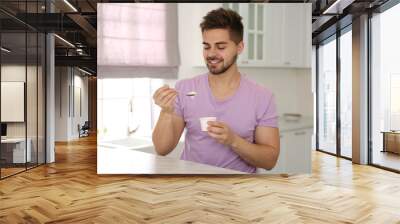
(126, 107)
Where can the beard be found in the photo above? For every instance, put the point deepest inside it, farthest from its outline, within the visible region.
(220, 68)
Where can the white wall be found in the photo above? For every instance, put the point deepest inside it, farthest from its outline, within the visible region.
(68, 81)
(81, 83)
(292, 87)
(61, 103)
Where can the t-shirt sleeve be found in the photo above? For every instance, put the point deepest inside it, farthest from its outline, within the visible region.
(178, 100)
(267, 115)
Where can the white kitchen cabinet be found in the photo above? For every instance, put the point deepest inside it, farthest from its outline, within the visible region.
(288, 37)
(280, 166)
(295, 153)
(273, 38)
(253, 18)
(298, 151)
(275, 34)
(297, 35)
(254, 35)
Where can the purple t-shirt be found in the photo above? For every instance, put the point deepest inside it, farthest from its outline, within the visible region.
(250, 106)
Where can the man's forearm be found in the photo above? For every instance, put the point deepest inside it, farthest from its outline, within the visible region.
(264, 156)
(163, 134)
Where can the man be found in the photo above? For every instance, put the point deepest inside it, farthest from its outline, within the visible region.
(245, 134)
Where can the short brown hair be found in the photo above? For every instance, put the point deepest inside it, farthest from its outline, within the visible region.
(224, 19)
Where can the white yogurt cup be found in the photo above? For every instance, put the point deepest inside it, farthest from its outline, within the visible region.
(204, 120)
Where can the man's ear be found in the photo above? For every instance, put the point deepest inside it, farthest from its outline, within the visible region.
(240, 47)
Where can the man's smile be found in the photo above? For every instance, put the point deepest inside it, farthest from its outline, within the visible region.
(214, 62)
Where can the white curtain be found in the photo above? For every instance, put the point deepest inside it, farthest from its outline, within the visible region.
(137, 40)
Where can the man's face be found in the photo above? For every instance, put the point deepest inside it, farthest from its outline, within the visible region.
(219, 51)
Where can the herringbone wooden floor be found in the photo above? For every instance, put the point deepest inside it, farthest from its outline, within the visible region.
(70, 191)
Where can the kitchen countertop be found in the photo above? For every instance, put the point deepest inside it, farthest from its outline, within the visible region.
(127, 161)
(302, 123)
(122, 160)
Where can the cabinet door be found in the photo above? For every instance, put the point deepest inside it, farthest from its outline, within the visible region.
(254, 54)
(297, 35)
(293, 35)
(307, 43)
(280, 166)
(298, 155)
(281, 163)
(273, 34)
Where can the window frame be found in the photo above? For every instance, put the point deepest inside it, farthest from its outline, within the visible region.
(334, 37)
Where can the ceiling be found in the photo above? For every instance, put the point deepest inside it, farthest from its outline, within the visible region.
(78, 27)
(76, 22)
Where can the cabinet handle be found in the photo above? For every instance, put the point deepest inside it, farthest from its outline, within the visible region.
(300, 133)
(287, 63)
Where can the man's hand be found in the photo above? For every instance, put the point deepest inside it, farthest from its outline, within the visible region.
(221, 132)
(165, 97)
(169, 127)
(263, 153)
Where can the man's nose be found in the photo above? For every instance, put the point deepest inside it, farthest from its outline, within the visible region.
(211, 53)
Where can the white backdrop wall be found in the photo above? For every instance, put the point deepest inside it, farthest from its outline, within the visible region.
(68, 82)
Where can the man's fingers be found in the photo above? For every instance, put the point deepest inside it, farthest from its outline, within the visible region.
(165, 95)
(170, 99)
(216, 124)
(218, 137)
(160, 90)
(215, 130)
